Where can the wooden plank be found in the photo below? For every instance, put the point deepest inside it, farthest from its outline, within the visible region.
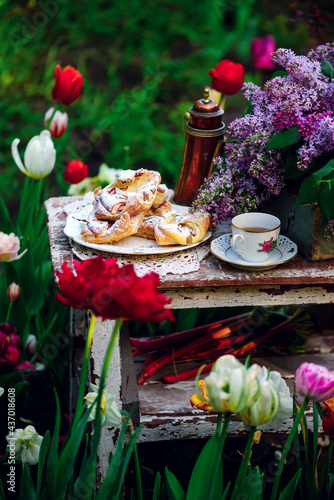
(251, 295)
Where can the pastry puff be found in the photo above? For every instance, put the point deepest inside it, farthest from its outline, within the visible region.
(98, 231)
(132, 192)
(161, 210)
(161, 196)
(152, 217)
(184, 229)
(146, 229)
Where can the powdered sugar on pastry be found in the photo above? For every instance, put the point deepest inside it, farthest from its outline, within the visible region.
(184, 229)
(131, 192)
(99, 231)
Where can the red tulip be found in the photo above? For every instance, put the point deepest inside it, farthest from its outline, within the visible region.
(10, 349)
(261, 50)
(113, 292)
(76, 171)
(328, 418)
(68, 85)
(227, 77)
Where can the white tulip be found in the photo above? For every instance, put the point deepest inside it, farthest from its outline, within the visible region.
(231, 387)
(265, 407)
(2, 390)
(285, 409)
(39, 156)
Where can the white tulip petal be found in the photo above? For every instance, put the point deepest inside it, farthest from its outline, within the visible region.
(31, 157)
(17, 158)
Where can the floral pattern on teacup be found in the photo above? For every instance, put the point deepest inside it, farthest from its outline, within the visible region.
(268, 246)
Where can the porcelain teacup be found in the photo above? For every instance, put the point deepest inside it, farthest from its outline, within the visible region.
(255, 235)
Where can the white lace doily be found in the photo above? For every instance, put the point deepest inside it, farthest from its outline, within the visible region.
(181, 262)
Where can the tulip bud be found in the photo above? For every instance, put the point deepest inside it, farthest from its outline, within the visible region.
(13, 292)
(76, 171)
(31, 344)
(68, 85)
(58, 123)
(39, 156)
(227, 77)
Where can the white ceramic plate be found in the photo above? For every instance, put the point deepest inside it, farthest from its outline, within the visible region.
(284, 251)
(132, 245)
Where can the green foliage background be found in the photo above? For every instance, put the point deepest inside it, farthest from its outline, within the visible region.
(144, 64)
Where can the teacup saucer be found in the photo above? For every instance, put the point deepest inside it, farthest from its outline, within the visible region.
(284, 251)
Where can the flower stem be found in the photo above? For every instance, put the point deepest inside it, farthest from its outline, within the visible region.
(287, 448)
(110, 349)
(8, 312)
(103, 376)
(226, 423)
(325, 470)
(221, 102)
(219, 423)
(244, 463)
(84, 369)
(222, 438)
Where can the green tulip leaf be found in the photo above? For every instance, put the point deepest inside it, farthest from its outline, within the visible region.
(285, 138)
(6, 224)
(327, 69)
(330, 484)
(251, 486)
(289, 490)
(207, 475)
(41, 460)
(157, 487)
(326, 200)
(308, 191)
(226, 490)
(51, 467)
(27, 489)
(174, 488)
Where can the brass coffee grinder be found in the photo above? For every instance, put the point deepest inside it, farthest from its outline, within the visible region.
(204, 135)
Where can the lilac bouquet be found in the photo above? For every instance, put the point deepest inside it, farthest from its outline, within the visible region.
(287, 134)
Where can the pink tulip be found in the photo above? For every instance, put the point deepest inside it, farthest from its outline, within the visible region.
(261, 50)
(9, 247)
(315, 382)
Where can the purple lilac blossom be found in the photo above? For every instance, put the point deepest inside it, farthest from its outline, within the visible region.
(323, 52)
(329, 231)
(250, 172)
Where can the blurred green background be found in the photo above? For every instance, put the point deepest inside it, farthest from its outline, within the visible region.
(144, 64)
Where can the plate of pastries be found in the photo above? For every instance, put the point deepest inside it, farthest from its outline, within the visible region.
(133, 215)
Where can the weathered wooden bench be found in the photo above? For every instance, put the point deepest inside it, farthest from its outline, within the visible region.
(164, 408)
